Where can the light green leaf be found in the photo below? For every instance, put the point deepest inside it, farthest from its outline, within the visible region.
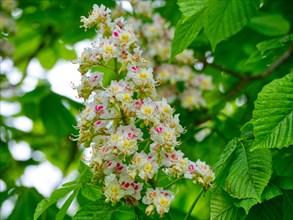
(250, 172)
(47, 58)
(185, 33)
(222, 206)
(56, 195)
(85, 172)
(227, 17)
(91, 192)
(271, 191)
(270, 24)
(191, 7)
(222, 166)
(62, 212)
(273, 114)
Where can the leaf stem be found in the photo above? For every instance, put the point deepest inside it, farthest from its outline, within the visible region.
(116, 69)
(193, 204)
(173, 182)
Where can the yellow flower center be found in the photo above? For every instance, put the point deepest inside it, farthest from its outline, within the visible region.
(109, 49)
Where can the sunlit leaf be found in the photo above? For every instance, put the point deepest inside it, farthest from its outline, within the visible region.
(185, 33)
(191, 7)
(227, 17)
(91, 192)
(273, 114)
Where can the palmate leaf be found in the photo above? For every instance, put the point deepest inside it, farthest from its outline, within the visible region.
(250, 172)
(273, 114)
(222, 206)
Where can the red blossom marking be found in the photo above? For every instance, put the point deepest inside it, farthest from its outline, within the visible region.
(159, 129)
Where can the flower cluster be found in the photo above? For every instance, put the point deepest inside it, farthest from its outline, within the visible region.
(7, 27)
(131, 132)
(156, 37)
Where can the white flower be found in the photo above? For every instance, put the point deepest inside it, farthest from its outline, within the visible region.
(160, 198)
(113, 191)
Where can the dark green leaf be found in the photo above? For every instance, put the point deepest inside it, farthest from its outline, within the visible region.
(57, 120)
(288, 204)
(270, 24)
(271, 209)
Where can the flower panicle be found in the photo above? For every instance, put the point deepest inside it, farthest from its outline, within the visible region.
(132, 134)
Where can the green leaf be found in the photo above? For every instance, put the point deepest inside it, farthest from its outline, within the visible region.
(247, 130)
(271, 209)
(222, 166)
(47, 58)
(93, 211)
(56, 195)
(57, 119)
(288, 204)
(227, 17)
(185, 33)
(222, 206)
(273, 114)
(85, 172)
(62, 212)
(191, 7)
(25, 204)
(250, 172)
(271, 191)
(285, 182)
(274, 43)
(270, 24)
(91, 192)
(282, 159)
(246, 204)
(267, 48)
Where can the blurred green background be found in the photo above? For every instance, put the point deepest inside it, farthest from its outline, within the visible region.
(38, 107)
